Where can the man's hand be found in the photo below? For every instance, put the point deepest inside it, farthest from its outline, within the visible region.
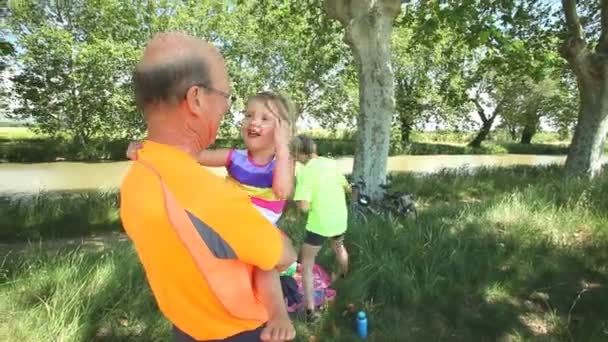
(132, 149)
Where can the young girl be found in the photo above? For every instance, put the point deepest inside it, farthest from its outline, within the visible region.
(265, 170)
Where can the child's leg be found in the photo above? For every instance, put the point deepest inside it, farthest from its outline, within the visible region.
(268, 288)
(310, 248)
(309, 253)
(337, 244)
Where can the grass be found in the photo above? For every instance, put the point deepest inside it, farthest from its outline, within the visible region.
(50, 215)
(17, 133)
(513, 254)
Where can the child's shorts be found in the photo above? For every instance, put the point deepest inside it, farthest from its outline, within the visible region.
(316, 240)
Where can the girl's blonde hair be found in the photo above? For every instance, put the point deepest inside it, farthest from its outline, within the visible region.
(283, 106)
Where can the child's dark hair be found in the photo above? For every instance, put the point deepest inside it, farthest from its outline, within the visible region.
(304, 145)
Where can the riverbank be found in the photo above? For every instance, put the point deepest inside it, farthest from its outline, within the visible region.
(79, 176)
(507, 254)
(19, 145)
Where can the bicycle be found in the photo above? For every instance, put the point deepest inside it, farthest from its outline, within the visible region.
(400, 204)
(360, 203)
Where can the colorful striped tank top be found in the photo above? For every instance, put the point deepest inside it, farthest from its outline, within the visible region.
(256, 180)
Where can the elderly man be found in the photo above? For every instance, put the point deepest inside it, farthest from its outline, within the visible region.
(200, 241)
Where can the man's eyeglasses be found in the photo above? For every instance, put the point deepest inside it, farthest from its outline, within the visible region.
(230, 98)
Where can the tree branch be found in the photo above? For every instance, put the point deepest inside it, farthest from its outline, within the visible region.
(573, 23)
(338, 10)
(498, 109)
(602, 46)
(480, 111)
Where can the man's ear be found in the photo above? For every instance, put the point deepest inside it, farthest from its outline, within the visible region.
(193, 101)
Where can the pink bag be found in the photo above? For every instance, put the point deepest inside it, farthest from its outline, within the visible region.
(321, 282)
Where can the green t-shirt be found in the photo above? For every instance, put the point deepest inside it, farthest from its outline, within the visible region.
(321, 183)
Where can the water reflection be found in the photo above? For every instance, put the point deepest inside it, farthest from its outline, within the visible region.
(83, 176)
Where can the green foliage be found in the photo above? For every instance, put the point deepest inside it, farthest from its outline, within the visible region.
(73, 83)
(469, 52)
(77, 58)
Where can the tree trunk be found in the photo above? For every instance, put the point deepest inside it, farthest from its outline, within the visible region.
(586, 149)
(483, 133)
(512, 132)
(532, 121)
(529, 131)
(368, 26)
(486, 122)
(591, 70)
(405, 124)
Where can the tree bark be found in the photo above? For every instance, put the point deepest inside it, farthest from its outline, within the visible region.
(585, 154)
(483, 133)
(486, 123)
(512, 132)
(531, 121)
(368, 26)
(530, 129)
(527, 134)
(405, 124)
(591, 70)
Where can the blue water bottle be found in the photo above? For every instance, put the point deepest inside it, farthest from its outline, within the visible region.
(362, 324)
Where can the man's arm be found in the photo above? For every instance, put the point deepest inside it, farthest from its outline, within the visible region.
(254, 240)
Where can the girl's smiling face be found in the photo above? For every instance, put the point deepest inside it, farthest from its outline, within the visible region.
(258, 125)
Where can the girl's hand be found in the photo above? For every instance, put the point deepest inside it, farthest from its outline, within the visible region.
(282, 134)
(132, 149)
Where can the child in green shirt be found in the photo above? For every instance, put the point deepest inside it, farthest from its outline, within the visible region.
(320, 192)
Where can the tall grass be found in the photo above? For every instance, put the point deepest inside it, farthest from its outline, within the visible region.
(58, 214)
(17, 133)
(511, 254)
(79, 295)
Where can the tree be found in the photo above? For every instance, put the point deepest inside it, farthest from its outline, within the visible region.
(530, 101)
(74, 78)
(495, 39)
(367, 31)
(305, 60)
(307, 57)
(588, 58)
(419, 71)
(562, 108)
(490, 91)
(74, 90)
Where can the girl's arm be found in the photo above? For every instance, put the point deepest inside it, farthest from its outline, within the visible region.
(214, 158)
(283, 178)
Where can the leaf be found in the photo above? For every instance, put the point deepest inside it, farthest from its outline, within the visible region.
(483, 37)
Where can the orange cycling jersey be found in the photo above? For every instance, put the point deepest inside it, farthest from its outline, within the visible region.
(198, 238)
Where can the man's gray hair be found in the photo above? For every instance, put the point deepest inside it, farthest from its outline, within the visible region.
(169, 82)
